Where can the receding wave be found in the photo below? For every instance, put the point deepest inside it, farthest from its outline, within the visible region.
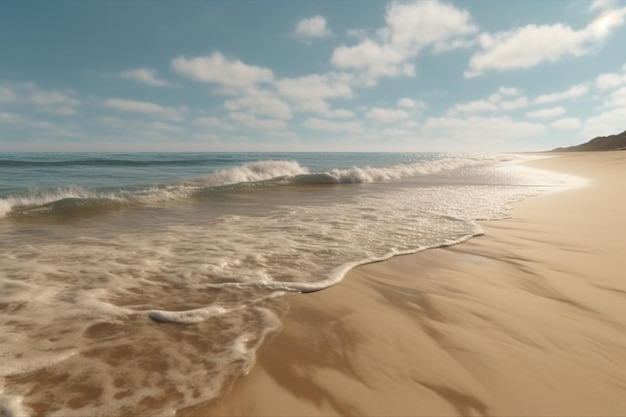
(77, 201)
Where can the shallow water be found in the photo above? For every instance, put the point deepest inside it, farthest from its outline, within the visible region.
(145, 283)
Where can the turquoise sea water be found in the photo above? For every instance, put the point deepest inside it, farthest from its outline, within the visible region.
(145, 283)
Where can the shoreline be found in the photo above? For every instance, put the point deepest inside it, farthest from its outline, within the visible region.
(529, 318)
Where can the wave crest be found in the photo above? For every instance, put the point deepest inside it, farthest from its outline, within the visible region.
(370, 174)
(254, 172)
(75, 200)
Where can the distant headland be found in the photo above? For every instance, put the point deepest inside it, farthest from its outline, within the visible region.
(601, 143)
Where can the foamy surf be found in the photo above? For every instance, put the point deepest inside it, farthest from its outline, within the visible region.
(75, 200)
(146, 286)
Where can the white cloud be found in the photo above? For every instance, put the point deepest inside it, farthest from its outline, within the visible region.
(502, 93)
(207, 122)
(147, 76)
(407, 103)
(260, 102)
(386, 115)
(455, 44)
(253, 122)
(611, 80)
(212, 123)
(56, 102)
(471, 107)
(547, 113)
(608, 123)
(41, 127)
(23, 121)
(395, 132)
(218, 69)
(313, 86)
(413, 26)
(484, 129)
(573, 92)
(603, 5)
(309, 93)
(518, 103)
(617, 99)
(360, 34)
(495, 102)
(205, 137)
(603, 24)
(318, 106)
(339, 113)
(166, 128)
(531, 45)
(7, 95)
(377, 59)
(332, 126)
(314, 27)
(151, 130)
(410, 28)
(568, 123)
(144, 107)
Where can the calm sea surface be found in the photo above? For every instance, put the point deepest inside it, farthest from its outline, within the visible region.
(144, 283)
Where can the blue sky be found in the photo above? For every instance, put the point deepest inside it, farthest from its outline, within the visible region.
(284, 75)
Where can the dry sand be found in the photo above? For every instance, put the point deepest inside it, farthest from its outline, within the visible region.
(529, 319)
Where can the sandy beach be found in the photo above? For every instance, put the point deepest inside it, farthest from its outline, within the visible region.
(529, 319)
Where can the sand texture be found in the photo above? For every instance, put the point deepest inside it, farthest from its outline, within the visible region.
(529, 319)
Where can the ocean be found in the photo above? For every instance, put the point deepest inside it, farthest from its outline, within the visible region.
(145, 283)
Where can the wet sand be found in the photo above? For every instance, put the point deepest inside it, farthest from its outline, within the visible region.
(529, 319)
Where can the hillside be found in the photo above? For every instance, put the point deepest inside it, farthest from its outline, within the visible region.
(602, 143)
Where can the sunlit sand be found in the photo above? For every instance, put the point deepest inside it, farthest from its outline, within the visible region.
(529, 319)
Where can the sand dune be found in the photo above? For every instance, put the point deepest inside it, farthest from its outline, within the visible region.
(529, 319)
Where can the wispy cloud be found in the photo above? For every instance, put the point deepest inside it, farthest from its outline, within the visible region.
(386, 115)
(62, 103)
(617, 98)
(410, 28)
(480, 131)
(309, 93)
(568, 123)
(607, 123)
(505, 99)
(262, 102)
(531, 45)
(311, 28)
(218, 69)
(40, 128)
(611, 80)
(603, 5)
(251, 121)
(333, 126)
(144, 107)
(547, 113)
(571, 93)
(147, 76)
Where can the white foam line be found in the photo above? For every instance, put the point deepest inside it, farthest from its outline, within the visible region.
(198, 315)
(336, 275)
(190, 316)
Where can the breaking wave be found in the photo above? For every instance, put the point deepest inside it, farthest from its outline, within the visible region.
(70, 201)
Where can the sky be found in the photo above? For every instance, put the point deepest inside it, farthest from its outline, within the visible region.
(324, 75)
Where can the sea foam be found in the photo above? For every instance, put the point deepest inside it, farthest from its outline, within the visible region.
(75, 200)
(162, 305)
